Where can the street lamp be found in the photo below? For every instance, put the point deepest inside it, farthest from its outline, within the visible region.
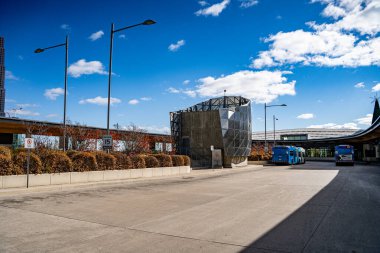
(274, 130)
(146, 22)
(40, 50)
(265, 116)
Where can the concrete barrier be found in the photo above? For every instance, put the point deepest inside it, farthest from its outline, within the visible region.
(18, 181)
(60, 178)
(14, 181)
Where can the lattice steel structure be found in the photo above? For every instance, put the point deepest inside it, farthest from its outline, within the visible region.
(223, 122)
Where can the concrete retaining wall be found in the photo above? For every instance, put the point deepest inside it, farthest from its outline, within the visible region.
(19, 181)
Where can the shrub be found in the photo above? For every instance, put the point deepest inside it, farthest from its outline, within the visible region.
(123, 162)
(178, 160)
(186, 160)
(84, 161)
(164, 160)
(105, 161)
(151, 161)
(70, 153)
(6, 152)
(138, 162)
(6, 166)
(56, 162)
(20, 162)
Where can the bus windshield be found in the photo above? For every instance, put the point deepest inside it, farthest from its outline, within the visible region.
(344, 151)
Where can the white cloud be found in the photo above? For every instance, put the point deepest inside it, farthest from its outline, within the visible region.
(332, 44)
(173, 90)
(248, 3)
(186, 82)
(146, 98)
(122, 36)
(133, 102)
(202, 3)
(96, 35)
(213, 10)
(376, 88)
(52, 115)
(367, 120)
(156, 129)
(359, 85)
(190, 93)
(82, 67)
(65, 27)
(20, 57)
(100, 101)
(22, 112)
(26, 105)
(260, 86)
(53, 93)
(306, 116)
(174, 47)
(336, 126)
(9, 75)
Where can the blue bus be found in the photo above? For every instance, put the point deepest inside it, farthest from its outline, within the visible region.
(284, 155)
(344, 154)
(300, 155)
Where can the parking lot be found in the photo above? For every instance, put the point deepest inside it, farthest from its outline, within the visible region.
(315, 207)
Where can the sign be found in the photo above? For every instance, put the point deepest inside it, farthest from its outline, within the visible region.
(107, 142)
(159, 146)
(29, 143)
(169, 147)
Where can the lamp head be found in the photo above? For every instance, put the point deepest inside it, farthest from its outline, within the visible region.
(149, 22)
(38, 50)
(283, 105)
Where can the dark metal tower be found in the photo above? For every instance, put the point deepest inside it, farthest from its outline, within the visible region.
(2, 78)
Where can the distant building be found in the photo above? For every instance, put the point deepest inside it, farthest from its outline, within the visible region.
(302, 134)
(220, 125)
(2, 78)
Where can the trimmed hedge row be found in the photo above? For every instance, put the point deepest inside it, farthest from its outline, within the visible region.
(54, 161)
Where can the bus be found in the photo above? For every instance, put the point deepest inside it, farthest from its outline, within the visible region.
(300, 155)
(344, 154)
(284, 155)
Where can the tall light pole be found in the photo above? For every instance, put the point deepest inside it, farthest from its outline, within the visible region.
(40, 50)
(274, 130)
(146, 22)
(265, 120)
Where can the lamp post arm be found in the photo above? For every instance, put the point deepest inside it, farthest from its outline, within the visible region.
(124, 28)
(60, 45)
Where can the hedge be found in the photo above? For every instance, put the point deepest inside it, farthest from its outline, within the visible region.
(70, 153)
(84, 161)
(151, 161)
(123, 162)
(138, 162)
(186, 160)
(6, 152)
(178, 160)
(6, 166)
(164, 160)
(56, 162)
(20, 163)
(105, 161)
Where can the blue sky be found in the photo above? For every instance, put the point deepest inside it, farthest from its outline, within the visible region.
(320, 57)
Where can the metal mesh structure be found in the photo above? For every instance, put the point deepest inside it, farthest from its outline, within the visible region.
(223, 122)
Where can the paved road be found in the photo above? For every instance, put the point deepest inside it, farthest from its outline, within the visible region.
(316, 207)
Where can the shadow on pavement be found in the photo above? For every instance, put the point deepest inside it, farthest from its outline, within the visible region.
(343, 217)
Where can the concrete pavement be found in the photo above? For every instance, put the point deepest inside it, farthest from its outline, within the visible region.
(315, 207)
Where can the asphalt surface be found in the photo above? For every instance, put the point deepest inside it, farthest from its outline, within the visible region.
(315, 207)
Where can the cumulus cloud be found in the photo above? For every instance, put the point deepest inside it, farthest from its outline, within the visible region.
(330, 44)
(65, 27)
(248, 3)
(359, 85)
(156, 129)
(259, 86)
(10, 76)
(213, 10)
(100, 101)
(53, 93)
(367, 120)
(96, 35)
(82, 67)
(186, 82)
(306, 116)
(188, 92)
(22, 112)
(26, 105)
(202, 3)
(175, 46)
(336, 126)
(173, 90)
(376, 88)
(133, 102)
(146, 98)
